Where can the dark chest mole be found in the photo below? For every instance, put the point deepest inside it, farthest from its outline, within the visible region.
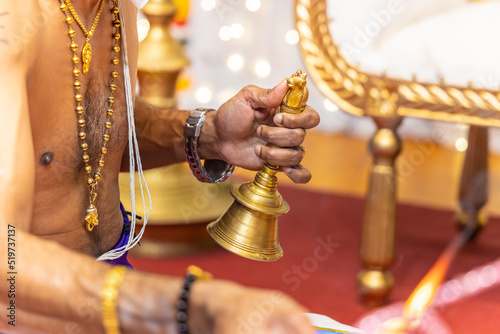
(46, 158)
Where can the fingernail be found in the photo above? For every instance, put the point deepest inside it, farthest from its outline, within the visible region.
(278, 119)
(259, 131)
(282, 82)
(258, 150)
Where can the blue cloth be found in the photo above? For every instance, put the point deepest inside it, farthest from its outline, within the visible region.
(122, 260)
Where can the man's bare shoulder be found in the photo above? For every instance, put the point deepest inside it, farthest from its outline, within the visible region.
(20, 24)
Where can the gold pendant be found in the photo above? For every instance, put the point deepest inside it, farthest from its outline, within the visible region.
(86, 56)
(91, 217)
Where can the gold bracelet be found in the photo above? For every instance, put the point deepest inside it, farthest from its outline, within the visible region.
(109, 296)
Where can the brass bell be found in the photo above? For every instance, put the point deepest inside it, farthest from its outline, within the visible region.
(249, 227)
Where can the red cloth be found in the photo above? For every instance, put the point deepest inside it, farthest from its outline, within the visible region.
(320, 237)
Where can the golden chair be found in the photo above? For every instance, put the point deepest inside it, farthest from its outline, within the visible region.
(404, 83)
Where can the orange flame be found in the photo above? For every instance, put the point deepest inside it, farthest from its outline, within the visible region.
(424, 293)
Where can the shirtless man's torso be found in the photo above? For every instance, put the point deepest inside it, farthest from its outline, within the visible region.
(45, 195)
(61, 191)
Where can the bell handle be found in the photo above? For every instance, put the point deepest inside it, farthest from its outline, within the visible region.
(294, 102)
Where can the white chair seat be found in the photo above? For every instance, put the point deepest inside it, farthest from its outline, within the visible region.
(458, 41)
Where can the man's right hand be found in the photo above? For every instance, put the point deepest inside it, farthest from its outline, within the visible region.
(147, 304)
(235, 309)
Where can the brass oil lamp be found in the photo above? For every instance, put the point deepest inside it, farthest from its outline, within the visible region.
(249, 227)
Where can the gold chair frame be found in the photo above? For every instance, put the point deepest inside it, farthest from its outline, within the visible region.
(387, 100)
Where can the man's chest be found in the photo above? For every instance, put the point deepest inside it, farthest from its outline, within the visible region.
(72, 111)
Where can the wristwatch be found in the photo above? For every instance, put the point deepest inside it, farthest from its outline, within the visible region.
(213, 171)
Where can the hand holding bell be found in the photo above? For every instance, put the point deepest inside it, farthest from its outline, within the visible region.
(249, 227)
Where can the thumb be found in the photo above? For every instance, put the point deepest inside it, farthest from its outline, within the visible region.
(271, 98)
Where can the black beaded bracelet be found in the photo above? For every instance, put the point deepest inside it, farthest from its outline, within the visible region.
(193, 273)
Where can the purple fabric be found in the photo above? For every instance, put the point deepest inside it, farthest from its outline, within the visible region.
(122, 260)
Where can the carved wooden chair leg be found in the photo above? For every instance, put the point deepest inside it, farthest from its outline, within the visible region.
(378, 234)
(473, 193)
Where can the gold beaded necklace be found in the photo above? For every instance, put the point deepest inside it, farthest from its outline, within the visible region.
(87, 49)
(91, 218)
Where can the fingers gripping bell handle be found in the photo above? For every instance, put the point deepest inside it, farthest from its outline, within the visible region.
(249, 227)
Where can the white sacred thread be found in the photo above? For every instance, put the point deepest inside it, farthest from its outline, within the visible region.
(134, 159)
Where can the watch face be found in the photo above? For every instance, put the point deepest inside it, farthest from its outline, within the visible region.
(199, 111)
(196, 115)
(195, 121)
